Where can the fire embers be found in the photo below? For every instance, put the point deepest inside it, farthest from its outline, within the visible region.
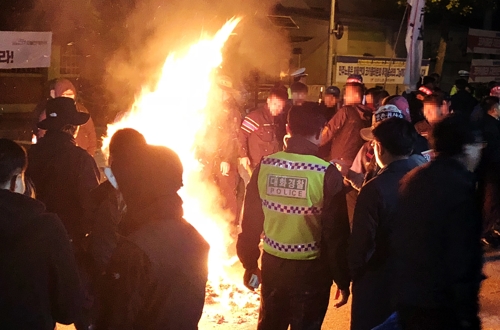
(228, 303)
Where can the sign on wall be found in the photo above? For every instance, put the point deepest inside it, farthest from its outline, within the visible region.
(375, 69)
(483, 42)
(25, 49)
(484, 71)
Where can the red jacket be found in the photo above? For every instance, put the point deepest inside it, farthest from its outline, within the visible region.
(257, 136)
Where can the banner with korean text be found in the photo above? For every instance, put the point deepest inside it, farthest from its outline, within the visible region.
(375, 69)
(25, 49)
(483, 42)
(484, 71)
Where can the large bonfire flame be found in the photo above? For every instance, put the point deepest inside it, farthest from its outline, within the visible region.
(176, 115)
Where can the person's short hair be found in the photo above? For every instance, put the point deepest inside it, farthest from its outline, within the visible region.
(124, 140)
(436, 98)
(435, 75)
(13, 160)
(461, 84)
(306, 120)
(428, 80)
(488, 102)
(279, 93)
(396, 135)
(372, 91)
(377, 94)
(451, 134)
(298, 87)
(492, 84)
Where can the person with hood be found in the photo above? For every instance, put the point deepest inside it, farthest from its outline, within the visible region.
(436, 250)
(108, 201)
(157, 274)
(86, 137)
(38, 274)
(343, 129)
(296, 199)
(369, 244)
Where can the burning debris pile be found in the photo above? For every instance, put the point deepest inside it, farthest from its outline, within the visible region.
(230, 303)
(172, 115)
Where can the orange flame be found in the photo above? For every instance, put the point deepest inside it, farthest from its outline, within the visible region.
(175, 114)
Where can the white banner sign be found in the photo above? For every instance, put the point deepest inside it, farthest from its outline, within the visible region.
(25, 49)
(484, 71)
(375, 70)
(483, 42)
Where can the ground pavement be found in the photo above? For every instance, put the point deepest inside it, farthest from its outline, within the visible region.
(338, 319)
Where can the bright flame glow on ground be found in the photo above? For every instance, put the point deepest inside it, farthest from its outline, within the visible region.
(175, 113)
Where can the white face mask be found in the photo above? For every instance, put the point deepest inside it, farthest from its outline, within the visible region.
(20, 185)
(473, 154)
(111, 177)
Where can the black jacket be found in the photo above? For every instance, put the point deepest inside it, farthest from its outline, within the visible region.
(39, 283)
(64, 175)
(109, 211)
(157, 275)
(369, 246)
(463, 102)
(300, 274)
(343, 130)
(437, 251)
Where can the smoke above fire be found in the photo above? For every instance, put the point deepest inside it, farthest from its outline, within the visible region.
(156, 27)
(125, 42)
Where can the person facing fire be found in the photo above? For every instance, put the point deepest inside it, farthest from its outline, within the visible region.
(86, 137)
(257, 134)
(299, 93)
(157, 274)
(63, 175)
(39, 279)
(225, 162)
(296, 199)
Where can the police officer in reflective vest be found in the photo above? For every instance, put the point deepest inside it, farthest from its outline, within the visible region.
(296, 199)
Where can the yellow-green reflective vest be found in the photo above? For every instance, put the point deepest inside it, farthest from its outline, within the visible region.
(291, 190)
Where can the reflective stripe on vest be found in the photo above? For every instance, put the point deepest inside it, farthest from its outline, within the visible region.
(291, 189)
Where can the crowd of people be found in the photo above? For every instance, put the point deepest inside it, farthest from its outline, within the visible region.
(392, 197)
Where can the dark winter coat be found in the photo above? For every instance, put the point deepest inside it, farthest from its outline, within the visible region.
(106, 218)
(437, 251)
(39, 283)
(257, 135)
(343, 129)
(64, 175)
(157, 275)
(369, 246)
(463, 102)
